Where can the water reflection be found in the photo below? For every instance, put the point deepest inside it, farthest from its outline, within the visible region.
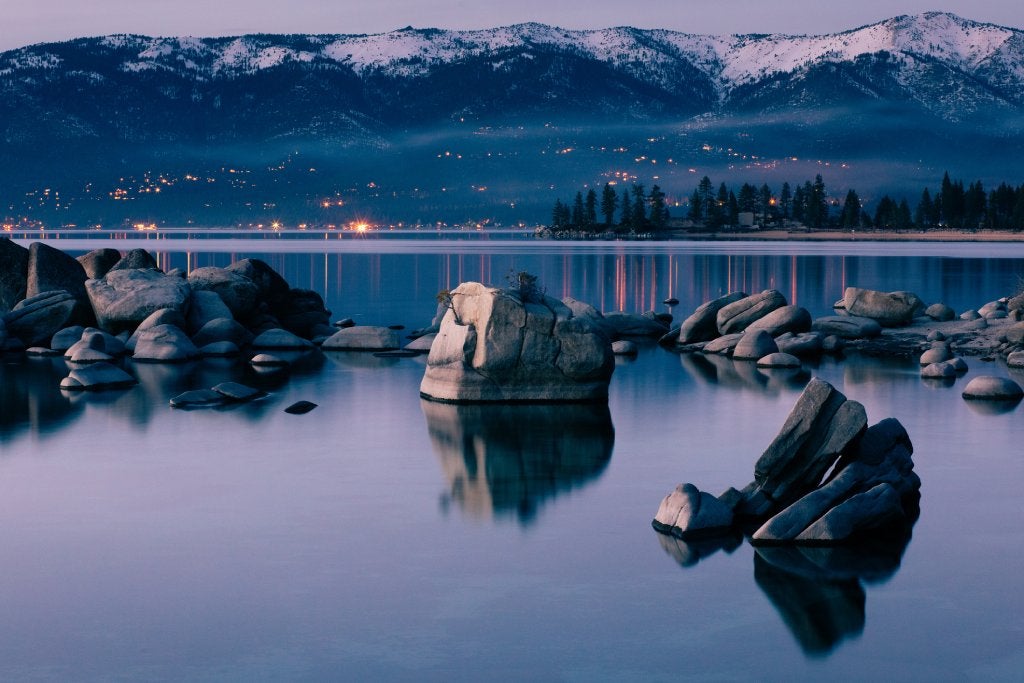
(503, 460)
(31, 399)
(727, 373)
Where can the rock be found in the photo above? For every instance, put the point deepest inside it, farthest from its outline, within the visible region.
(832, 344)
(940, 312)
(702, 325)
(237, 291)
(303, 311)
(38, 351)
(1015, 303)
(936, 354)
(205, 306)
(222, 330)
(97, 377)
(624, 347)
(52, 270)
(165, 316)
(935, 336)
(269, 360)
(976, 324)
(281, 340)
(421, 344)
(96, 340)
(690, 513)
(35, 320)
(66, 338)
(938, 370)
(737, 316)
(1015, 333)
(124, 298)
(221, 349)
(634, 325)
(793, 319)
(345, 322)
(671, 301)
(991, 388)
(98, 262)
(164, 344)
(136, 259)
(890, 309)
(271, 286)
(1015, 359)
(877, 507)
(806, 344)
(820, 427)
(996, 315)
(234, 391)
(779, 360)
(363, 338)
(494, 347)
(13, 274)
(300, 408)
(399, 353)
(198, 398)
(847, 326)
(754, 345)
(991, 309)
(958, 364)
(970, 314)
(724, 345)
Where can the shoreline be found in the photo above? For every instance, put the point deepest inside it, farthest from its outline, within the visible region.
(862, 236)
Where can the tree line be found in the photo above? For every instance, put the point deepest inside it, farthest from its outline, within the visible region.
(953, 206)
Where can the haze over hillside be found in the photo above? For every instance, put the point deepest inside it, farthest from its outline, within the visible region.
(470, 125)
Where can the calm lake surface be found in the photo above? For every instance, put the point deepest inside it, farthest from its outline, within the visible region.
(381, 537)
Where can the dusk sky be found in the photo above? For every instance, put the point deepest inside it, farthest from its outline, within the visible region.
(24, 22)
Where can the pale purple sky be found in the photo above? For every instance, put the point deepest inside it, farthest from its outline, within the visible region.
(24, 22)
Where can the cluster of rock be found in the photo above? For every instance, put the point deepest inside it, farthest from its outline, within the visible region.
(497, 345)
(871, 486)
(105, 305)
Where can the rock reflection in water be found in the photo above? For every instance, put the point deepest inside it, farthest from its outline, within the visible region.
(507, 460)
(689, 553)
(31, 399)
(725, 372)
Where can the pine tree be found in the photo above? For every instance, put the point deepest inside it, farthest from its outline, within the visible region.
(639, 207)
(696, 206)
(798, 205)
(659, 214)
(609, 202)
(590, 210)
(925, 211)
(556, 215)
(820, 200)
(786, 201)
(707, 198)
(627, 210)
(849, 219)
(577, 211)
(747, 197)
(766, 203)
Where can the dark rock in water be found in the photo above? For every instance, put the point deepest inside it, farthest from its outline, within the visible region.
(396, 354)
(273, 289)
(940, 370)
(877, 507)
(66, 338)
(302, 312)
(222, 330)
(794, 319)
(671, 301)
(739, 315)
(51, 270)
(991, 388)
(165, 316)
(222, 349)
(723, 345)
(634, 325)
(690, 552)
(847, 326)
(819, 428)
(422, 344)
(397, 328)
(98, 262)
(690, 513)
(164, 344)
(136, 259)
(345, 322)
(779, 360)
(13, 274)
(280, 339)
(237, 291)
(624, 347)
(362, 338)
(125, 298)
(800, 345)
(97, 377)
(665, 318)
(890, 309)
(269, 360)
(205, 306)
(300, 408)
(238, 392)
(35, 320)
(754, 345)
(940, 312)
(198, 398)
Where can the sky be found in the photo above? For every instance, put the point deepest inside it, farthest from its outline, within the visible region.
(25, 22)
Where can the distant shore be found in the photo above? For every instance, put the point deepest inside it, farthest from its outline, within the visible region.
(862, 236)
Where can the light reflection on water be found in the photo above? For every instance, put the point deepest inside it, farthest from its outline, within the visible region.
(370, 538)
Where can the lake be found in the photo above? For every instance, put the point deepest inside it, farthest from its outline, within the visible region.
(381, 537)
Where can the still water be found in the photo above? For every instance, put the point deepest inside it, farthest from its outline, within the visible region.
(380, 537)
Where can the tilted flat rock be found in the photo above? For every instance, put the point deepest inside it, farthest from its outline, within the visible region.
(737, 316)
(13, 274)
(235, 391)
(793, 319)
(890, 309)
(198, 398)
(35, 320)
(690, 513)
(723, 345)
(874, 508)
(363, 338)
(847, 326)
(494, 347)
(97, 377)
(702, 324)
(124, 298)
(991, 388)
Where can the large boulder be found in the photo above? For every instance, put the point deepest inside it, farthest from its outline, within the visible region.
(302, 312)
(624, 324)
(737, 316)
(13, 273)
(164, 344)
(754, 345)
(495, 347)
(689, 513)
(702, 325)
(802, 345)
(889, 309)
(940, 312)
(204, 307)
(35, 320)
(98, 262)
(272, 287)
(222, 330)
(791, 319)
(822, 424)
(52, 270)
(992, 388)
(847, 326)
(136, 259)
(363, 338)
(124, 298)
(237, 291)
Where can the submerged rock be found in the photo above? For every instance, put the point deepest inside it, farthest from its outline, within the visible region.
(198, 398)
(991, 388)
(97, 377)
(300, 408)
(363, 338)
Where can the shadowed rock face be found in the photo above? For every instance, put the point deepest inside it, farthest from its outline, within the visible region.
(13, 273)
(495, 347)
(508, 460)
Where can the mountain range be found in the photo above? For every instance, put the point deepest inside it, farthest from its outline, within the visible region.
(528, 112)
